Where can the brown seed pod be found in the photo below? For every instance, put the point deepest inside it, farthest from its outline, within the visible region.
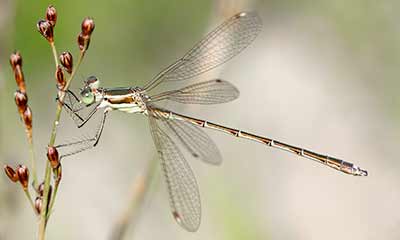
(21, 100)
(23, 176)
(15, 60)
(60, 76)
(46, 29)
(11, 174)
(83, 42)
(19, 78)
(53, 157)
(38, 204)
(40, 189)
(51, 15)
(57, 172)
(27, 117)
(67, 61)
(87, 26)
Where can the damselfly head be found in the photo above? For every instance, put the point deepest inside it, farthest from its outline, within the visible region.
(88, 96)
(92, 82)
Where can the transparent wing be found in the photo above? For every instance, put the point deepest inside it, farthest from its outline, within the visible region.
(209, 92)
(182, 187)
(220, 45)
(192, 138)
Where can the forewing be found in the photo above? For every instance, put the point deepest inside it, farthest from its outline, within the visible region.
(210, 92)
(220, 45)
(182, 187)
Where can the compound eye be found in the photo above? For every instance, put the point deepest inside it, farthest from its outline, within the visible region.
(87, 96)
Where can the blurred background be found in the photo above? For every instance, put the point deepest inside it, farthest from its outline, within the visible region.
(322, 75)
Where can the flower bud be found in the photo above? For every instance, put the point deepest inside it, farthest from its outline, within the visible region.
(66, 61)
(21, 100)
(40, 189)
(60, 76)
(83, 42)
(15, 60)
(57, 172)
(19, 78)
(38, 204)
(53, 157)
(87, 26)
(23, 176)
(46, 29)
(51, 15)
(27, 117)
(11, 174)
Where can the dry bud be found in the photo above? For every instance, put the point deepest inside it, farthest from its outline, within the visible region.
(60, 76)
(83, 42)
(15, 60)
(87, 26)
(19, 78)
(27, 117)
(21, 100)
(38, 204)
(40, 190)
(66, 61)
(51, 15)
(57, 172)
(23, 176)
(53, 157)
(11, 174)
(46, 29)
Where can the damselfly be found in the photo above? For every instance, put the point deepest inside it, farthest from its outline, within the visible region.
(170, 129)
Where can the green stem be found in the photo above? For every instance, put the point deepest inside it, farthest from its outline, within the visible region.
(44, 213)
(28, 195)
(141, 187)
(55, 55)
(53, 198)
(33, 162)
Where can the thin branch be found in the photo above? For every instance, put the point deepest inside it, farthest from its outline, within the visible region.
(44, 213)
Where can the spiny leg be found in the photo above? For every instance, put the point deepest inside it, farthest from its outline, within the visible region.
(86, 143)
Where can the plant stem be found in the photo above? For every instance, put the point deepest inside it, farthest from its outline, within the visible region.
(44, 213)
(55, 55)
(141, 186)
(33, 162)
(28, 195)
(53, 198)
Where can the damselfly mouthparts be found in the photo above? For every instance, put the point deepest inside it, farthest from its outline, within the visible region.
(169, 128)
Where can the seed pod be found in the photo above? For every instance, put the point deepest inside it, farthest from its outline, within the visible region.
(27, 117)
(60, 76)
(11, 174)
(38, 204)
(51, 15)
(57, 172)
(46, 29)
(15, 60)
(19, 78)
(23, 176)
(66, 61)
(40, 189)
(83, 42)
(21, 100)
(87, 26)
(53, 157)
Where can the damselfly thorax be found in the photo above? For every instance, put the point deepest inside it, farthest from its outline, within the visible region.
(130, 100)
